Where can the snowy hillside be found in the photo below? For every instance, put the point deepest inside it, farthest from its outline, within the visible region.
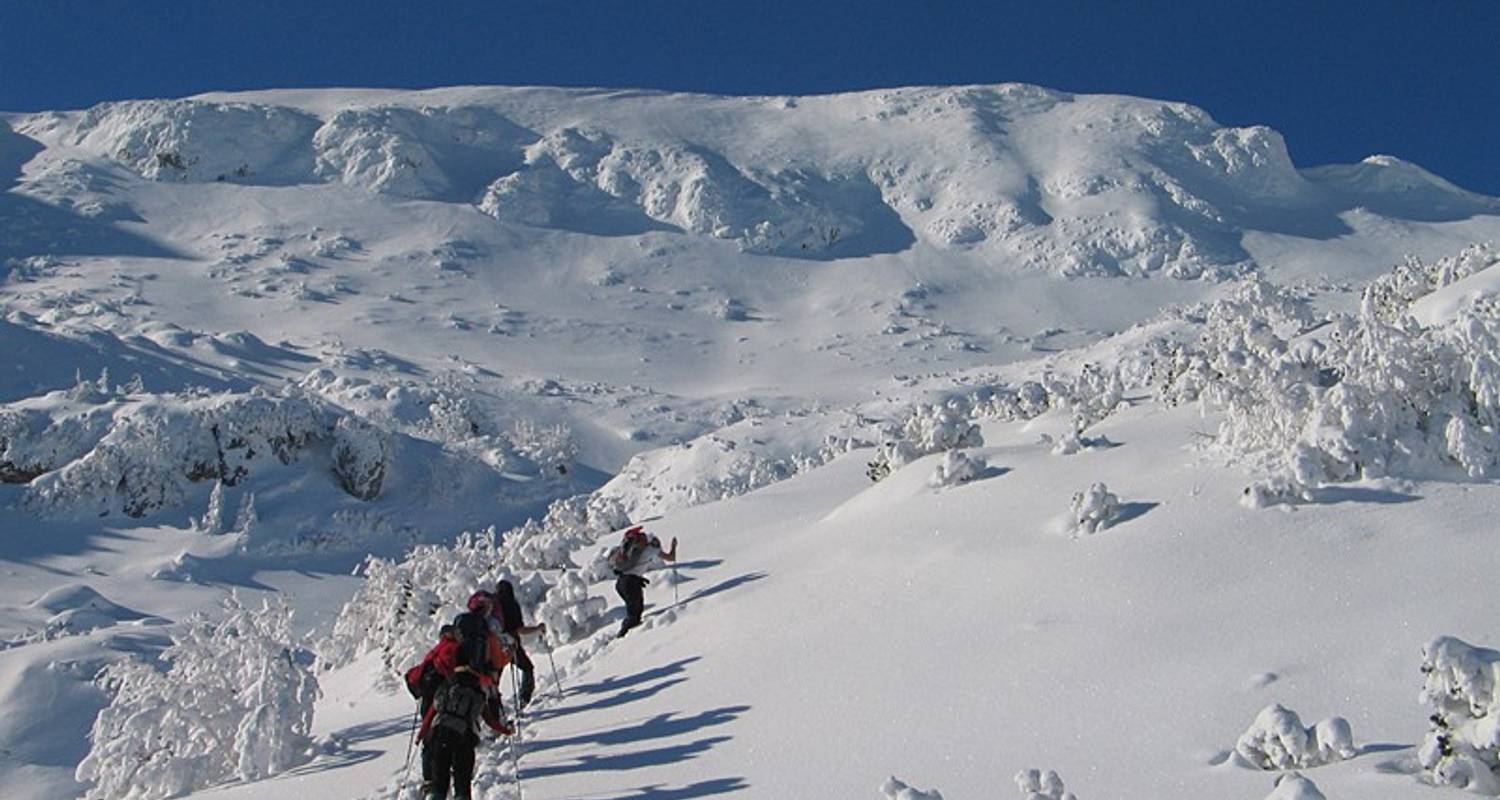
(1164, 431)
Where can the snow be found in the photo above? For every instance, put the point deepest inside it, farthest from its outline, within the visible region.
(364, 351)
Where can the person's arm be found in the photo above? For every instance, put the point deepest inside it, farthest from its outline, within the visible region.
(527, 630)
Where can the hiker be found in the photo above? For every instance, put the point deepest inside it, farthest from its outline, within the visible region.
(455, 683)
(450, 733)
(508, 611)
(631, 559)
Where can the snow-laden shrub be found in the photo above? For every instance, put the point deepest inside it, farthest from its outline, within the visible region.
(1462, 687)
(927, 429)
(1037, 785)
(570, 524)
(1292, 786)
(1090, 397)
(568, 610)
(1028, 400)
(1277, 740)
(1362, 396)
(399, 608)
(1093, 509)
(550, 447)
(234, 702)
(361, 457)
(1389, 296)
(956, 467)
(894, 789)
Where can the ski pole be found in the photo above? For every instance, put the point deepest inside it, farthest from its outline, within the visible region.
(555, 681)
(515, 741)
(675, 578)
(410, 742)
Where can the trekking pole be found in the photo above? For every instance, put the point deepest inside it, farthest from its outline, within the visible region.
(555, 681)
(410, 742)
(515, 741)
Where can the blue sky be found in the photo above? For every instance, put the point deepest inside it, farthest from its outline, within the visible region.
(1420, 80)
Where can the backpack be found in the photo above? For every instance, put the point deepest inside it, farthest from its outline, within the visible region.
(458, 704)
(625, 554)
(472, 628)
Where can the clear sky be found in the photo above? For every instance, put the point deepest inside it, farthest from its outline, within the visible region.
(1418, 79)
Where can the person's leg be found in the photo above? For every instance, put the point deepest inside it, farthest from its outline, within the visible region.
(635, 600)
(463, 767)
(527, 674)
(442, 763)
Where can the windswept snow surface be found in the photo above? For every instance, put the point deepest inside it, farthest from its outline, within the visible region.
(378, 318)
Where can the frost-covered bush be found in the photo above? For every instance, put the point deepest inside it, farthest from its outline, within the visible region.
(235, 701)
(361, 457)
(927, 429)
(1093, 509)
(551, 447)
(1462, 687)
(1028, 400)
(893, 789)
(1037, 785)
(568, 610)
(1277, 740)
(1292, 786)
(1389, 296)
(956, 467)
(570, 524)
(399, 608)
(1364, 395)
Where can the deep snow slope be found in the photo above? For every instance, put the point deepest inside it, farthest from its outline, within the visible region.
(376, 318)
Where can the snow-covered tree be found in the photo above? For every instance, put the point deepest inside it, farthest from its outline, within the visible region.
(1462, 688)
(234, 700)
(927, 429)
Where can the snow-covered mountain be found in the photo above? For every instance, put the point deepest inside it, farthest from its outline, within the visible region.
(254, 338)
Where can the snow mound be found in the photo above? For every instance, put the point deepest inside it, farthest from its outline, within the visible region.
(733, 460)
(1277, 740)
(1388, 185)
(1292, 786)
(894, 789)
(79, 608)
